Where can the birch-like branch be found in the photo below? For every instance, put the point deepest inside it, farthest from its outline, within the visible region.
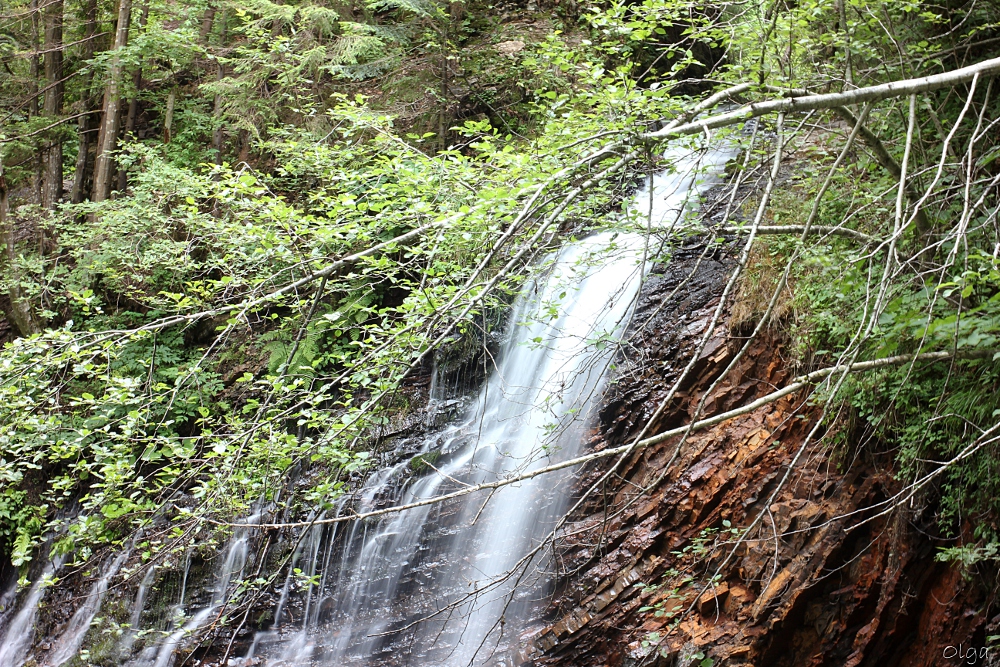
(818, 230)
(795, 385)
(796, 102)
(884, 91)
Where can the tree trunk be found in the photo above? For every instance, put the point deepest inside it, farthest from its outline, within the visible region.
(217, 131)
(53, 153)
(243, 144)
(168, 119)
(107, 139)
(842, 20)
(133, 104)
(21, 312)
(218, 134)
(85, 125)
(206, 24)
(33, 63)
(130, 118)
(34, 73)
(442, 116)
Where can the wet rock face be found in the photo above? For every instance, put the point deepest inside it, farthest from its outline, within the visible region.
(652, 573)
(822, 580)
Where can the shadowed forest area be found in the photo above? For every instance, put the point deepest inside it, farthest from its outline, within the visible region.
(407, 332)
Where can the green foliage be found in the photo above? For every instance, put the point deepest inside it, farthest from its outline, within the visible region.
(932, 417)
(969, 556)
(136, 399)
(189, 354)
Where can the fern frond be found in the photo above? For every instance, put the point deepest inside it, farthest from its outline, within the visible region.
(353, 49)
(363, 71)
(319, 18)
(423, 8)
(314, 58)
(268, 11)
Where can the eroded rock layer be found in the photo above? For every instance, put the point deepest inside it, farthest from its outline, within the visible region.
(651, 570)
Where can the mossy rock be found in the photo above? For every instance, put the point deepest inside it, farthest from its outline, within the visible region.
(420, 462)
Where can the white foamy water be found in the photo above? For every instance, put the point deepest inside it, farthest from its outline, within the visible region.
(230, 570)
(68, 644)
(21, 631)
(448, 584)
(451, 584)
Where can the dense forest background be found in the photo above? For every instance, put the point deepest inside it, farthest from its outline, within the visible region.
(233, 231)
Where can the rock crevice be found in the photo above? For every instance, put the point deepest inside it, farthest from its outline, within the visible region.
(653, 572)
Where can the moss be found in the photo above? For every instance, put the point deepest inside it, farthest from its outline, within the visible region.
(422, 462)
(756, 286)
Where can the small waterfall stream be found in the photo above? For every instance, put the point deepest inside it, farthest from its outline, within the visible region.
(452, 583)
(66, 647)
(230, 569)
(448, 562)
(21, 630)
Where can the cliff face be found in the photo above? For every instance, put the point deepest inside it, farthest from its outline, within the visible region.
(823, 579)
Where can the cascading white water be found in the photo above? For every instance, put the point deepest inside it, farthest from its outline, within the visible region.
(450, 584)
(66, 646)
(128, 640)
(19, 634)
(234, 560)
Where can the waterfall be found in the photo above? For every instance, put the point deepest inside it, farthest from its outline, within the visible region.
(66, 647)
(128, 641)
(231, 566)
(453, 583)
(21, 631)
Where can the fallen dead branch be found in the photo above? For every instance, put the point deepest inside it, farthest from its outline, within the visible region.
(801, 382)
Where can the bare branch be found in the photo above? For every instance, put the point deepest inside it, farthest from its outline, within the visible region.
(818, 230)
(795, 385)
(884, 91)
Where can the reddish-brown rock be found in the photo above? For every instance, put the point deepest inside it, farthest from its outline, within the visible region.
(822, 579)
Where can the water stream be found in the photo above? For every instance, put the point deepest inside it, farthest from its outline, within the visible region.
(451, 583)
(66, 646)
(21, 630)
(230, 570)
